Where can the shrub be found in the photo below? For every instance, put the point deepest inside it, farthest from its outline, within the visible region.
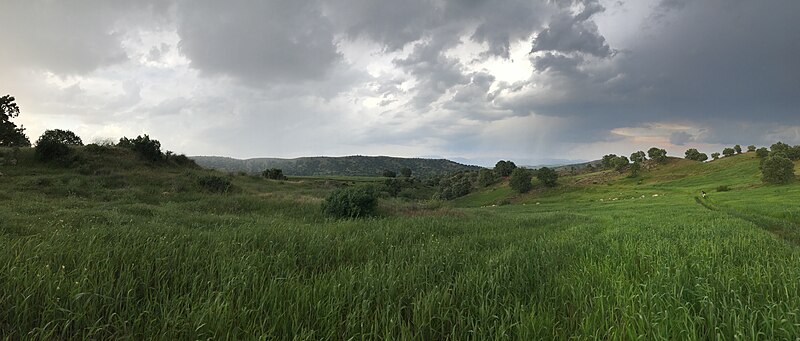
(351, 202)
(216, 184)
(762, 152)
(520, 180)
(486, 177)
(273, 174)
(389, 174)
(723, 188)
(547, 176)
(777, 169)
(146, 148)
(50, 150)
(64, 136)
(728, 151)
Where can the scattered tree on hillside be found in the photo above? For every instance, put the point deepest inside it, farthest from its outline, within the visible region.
(751, 148)
(621, 163)
(520, 180)
(146, 148)
(638, 157)
(486, 177)
(547, 176)
(504, 168)
(762, 152)
(715, 155)
(777, 169)
(738, 149)
(609, 160)
(389, 174)
(10, 134)
(63, 136)
(273, 174)
(405, 172)
(693, 154)
(657, 154)
(635, 167)
(728, 152)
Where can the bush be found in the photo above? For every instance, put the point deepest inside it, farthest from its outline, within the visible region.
(723, 188)
(520, 180)
(351, 202)
(389, 174)
(50, 150)
(146, 148)
(63, 136)
(777, 169)
(216, 184)
(547, 176)
(762, 152)
(273, 174)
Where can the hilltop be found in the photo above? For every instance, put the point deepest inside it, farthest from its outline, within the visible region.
(338, 166)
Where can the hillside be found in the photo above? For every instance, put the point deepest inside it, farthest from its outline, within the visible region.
(341, 166)
(111, 247)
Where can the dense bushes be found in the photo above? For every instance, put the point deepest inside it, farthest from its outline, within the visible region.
(547, 176)
(351, 202)
(146, 148)
(273, 174)
(216, 184)
(777, 169)
(63, 136)
(520, 180)
(50, 150)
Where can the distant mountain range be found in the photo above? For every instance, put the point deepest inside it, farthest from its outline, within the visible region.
(344, 166)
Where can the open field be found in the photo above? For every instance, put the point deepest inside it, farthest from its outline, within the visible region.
(136, 252)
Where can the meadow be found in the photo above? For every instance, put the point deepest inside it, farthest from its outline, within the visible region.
(123, 250)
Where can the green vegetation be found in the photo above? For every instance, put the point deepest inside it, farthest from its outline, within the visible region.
(10, 134)
(520, 180)
(694, 155)
(112, 246)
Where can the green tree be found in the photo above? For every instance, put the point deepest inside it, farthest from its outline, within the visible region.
(657, 154)
(63, 136)
(389, 174)
(693, 154)
(762, 152)
(609, 161)
(520, 180)
(636, 168)
(351, 202)
(738, 149)
(777, 169)
(273, 174)
(638, 156)
(547, 176)
(504, 168)
(751, 148)
(715, 156)
(621, 163)
(10, 134)
(728, 152)
(486, 177)
(405, 172)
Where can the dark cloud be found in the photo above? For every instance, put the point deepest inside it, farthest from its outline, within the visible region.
(680, 138)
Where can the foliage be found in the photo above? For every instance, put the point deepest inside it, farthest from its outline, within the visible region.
(657, 154)
(751, 148)
(63, 136)
(504, 168)
(273, 174)
(777, 169)
(10, 134)
(738, 149)
(147, 149)
(635, 168)
(639, 156)
(762, 152)
(389, 174)
(693, 154)
(547, 176)
(520, 180)
(214, 183)
(456, 185)
(728, 152)
(49, 150)
(405, 172)
(723, 188)
(486, 177)
(715, 155)
(351, 202)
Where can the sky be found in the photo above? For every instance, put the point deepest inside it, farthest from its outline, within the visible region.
(534, 81)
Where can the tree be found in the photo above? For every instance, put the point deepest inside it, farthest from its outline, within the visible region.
(693, 154)
(715, 156)
(63, 136)
(777, 169)
(657, 154)
(520, 180)
(762, 152)
(547, 176)
(486, 177)
(751, 148)
(504, 168)
(728, 151)
(389, 174)
(146, 148)
(405, 172)
(273, 174)
(738, 149)
(609, 160)
(621, 163)
(638, 156)
(636, 167)
(10, 134)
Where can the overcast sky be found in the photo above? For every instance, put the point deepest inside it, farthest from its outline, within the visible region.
(477, 80)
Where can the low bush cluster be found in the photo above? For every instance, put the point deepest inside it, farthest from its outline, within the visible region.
(216, 184)
(351, 202)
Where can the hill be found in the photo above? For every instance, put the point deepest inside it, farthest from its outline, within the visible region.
(341, 166)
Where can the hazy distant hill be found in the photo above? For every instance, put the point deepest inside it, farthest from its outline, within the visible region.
(347, 165)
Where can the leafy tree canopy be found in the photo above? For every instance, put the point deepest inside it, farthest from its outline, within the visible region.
(62, 136)
(547, 176)
(10, 134)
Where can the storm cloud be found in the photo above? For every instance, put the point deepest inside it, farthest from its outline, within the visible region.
(479, 79)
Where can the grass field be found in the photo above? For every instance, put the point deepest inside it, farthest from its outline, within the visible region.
(129, 251)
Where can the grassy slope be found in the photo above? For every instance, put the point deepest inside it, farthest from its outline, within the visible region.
(140, 252)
